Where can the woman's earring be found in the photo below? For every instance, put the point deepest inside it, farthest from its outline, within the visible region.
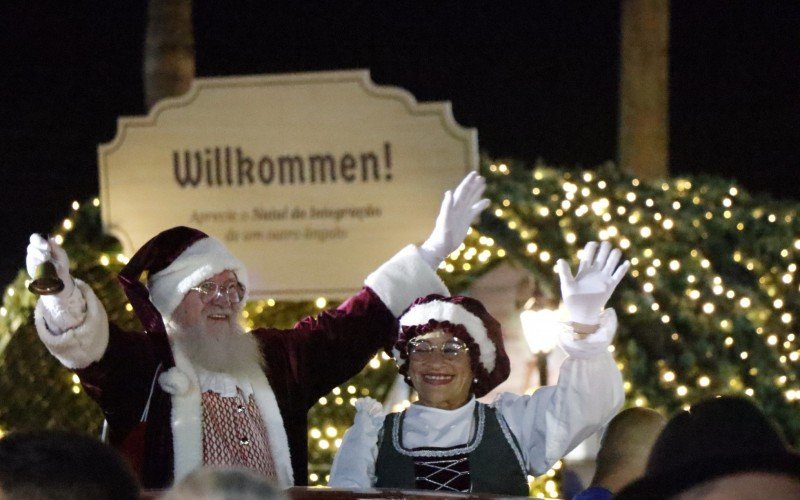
(475, 380)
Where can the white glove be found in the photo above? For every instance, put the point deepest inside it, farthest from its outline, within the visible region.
(40, 251)
(354, 464)
(587, 292)
(458, 211)
(369, 413)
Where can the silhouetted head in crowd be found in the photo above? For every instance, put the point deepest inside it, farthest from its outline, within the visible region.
(625, 446)
(721, 448)
(224, 484)
(44, 465)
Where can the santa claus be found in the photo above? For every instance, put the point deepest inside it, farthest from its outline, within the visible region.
(196, 389)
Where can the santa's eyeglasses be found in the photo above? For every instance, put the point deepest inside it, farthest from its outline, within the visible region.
(209, 290)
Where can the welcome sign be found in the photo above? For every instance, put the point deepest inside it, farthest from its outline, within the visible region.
(312, 179)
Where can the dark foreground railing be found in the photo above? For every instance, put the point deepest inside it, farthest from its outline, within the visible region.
(318, 493)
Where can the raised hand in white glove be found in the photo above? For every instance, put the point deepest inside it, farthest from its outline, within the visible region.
(369, 413)
(458, 211)
(354, 463)
(587, 292)
(40, 251)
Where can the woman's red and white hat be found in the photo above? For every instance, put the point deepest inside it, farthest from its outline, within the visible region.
(464, 318)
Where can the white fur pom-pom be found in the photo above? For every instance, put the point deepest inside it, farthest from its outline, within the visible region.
(174, 382)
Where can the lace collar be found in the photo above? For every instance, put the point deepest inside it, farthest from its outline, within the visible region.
(224, 384)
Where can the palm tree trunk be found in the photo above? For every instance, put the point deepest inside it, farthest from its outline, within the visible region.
(644, 94)
(169, 58)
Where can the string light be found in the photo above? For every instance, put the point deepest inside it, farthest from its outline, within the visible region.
(678, 222)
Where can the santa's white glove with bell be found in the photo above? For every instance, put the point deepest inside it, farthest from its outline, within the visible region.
(586, 293)
(67, 308)
(458, 210)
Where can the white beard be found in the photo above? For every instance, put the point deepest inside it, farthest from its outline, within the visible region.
(225, 348)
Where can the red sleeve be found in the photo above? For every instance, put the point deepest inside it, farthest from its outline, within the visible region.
(120, 381)
(325, 351)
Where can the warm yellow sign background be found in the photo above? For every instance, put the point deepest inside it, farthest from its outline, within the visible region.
(312, 179)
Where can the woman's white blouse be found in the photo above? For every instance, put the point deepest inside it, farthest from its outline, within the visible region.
(424, 425)
(547, 424)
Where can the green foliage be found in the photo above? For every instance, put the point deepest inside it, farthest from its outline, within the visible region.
(709, 306)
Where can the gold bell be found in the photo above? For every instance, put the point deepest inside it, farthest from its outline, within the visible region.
(46, 280)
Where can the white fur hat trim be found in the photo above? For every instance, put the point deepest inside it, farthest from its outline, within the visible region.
(458, 315)
(201, 261)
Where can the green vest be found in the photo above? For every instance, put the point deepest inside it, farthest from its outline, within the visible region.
(495, 459)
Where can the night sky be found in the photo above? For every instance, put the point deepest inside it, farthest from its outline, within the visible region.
(538, 79)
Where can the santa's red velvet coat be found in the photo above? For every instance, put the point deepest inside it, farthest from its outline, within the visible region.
(120, 369)
(304, 364)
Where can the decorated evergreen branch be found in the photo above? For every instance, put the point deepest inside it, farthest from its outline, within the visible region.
(710, 307)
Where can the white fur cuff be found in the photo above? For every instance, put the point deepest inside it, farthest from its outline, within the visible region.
(593, 344)
(404, 278)
(82, 345)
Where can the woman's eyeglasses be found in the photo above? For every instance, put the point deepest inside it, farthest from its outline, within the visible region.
(423, 349)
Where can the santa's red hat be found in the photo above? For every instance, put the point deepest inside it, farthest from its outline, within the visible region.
(466, 319)
(173, 262)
